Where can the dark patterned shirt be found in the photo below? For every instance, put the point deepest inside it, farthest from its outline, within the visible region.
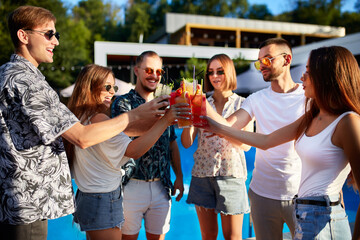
(156, 162)
(35, 181)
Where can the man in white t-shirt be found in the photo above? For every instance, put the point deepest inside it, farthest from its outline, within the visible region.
(276, 176)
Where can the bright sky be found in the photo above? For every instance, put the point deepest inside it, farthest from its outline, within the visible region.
(279, 6)
(275, 6)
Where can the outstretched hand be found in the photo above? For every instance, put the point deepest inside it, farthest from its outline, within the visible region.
(153, 108)
(212, 127)
(178, 111)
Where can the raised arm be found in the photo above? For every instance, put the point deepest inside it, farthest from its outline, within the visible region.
(249, 128)
(142, 144)
(258, 140)
(138, 128)
(239, 120)
(89, 135)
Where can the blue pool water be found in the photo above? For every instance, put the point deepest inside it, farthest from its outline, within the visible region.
(184, 223)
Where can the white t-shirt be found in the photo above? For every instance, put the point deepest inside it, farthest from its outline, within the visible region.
(276, 174)
(325, 167)
(97, 169)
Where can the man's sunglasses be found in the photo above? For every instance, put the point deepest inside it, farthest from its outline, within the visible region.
(108, 88)
(266, 61)
(219, 73)
(49, 34)
(159, 72)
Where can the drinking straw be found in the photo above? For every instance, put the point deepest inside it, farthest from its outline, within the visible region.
(183, 86)
(199, 73)
(167, 75)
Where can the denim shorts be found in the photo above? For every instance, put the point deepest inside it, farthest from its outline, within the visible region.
(321, 222)
(226, 195)
(97, 211)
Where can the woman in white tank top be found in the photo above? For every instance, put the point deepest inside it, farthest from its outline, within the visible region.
(327, 141)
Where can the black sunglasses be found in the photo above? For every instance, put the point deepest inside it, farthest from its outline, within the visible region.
(220, 72)
(108, 88)
(49, 34)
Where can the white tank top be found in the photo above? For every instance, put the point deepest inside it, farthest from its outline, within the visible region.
(324, 165)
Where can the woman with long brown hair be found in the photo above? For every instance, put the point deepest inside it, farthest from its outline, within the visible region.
(97, 169)
(327, 141)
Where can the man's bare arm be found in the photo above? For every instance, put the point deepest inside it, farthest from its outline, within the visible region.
(89, 135)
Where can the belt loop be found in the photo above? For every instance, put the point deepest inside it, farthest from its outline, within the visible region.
(327, 200)
(294, 199)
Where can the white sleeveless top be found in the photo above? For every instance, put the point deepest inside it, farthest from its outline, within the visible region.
(97, 169)
(324, 165)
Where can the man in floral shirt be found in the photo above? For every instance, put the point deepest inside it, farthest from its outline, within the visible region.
(35, 181)
(147, 194)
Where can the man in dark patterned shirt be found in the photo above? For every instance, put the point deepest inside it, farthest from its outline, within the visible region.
(147, 194)
(35, 181)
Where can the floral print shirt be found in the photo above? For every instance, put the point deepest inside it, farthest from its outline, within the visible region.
(35, 181)
(155, 163)
(216, 156)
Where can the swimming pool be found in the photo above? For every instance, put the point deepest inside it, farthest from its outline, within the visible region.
(184, 223)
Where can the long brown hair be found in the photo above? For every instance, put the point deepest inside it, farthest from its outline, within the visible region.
(335, 75)
(85, 100)
(229, 70)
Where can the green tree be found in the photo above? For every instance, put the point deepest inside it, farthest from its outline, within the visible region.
(228, 8)
(259, 11)
(184, 6)
(241, 64)
(321, 12)
(357, 6)
(138, 21)
(102, 19)
(6, 45)
(200, 67)
(350, 20)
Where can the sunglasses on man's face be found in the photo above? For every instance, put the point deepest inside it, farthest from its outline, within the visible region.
(159, 72)
(219, 73)
(108, 88)
(266, 61)
(48, 34)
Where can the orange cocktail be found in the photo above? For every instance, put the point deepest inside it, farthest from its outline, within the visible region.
(181, 97)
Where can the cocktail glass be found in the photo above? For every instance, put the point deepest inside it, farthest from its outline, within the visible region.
(183, 98)
(162, 90)
(198, 109)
